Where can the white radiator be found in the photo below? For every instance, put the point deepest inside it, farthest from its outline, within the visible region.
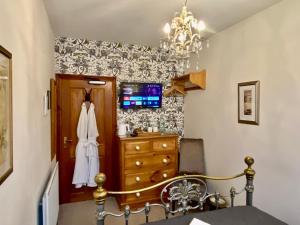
(51, 199)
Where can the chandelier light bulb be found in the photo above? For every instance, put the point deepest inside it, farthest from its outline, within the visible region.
(165, 45)
(167, 28)
(207, 43)
(194, 24)
(201, 25)
(182, 37)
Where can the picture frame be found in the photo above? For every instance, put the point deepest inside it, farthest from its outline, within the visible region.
(248, 102)
(6, 128)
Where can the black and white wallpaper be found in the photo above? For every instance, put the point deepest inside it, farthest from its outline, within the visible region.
(128, 63)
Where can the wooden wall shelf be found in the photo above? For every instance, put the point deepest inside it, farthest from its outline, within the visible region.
(188, 82)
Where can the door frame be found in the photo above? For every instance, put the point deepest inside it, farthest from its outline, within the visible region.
(111, 183)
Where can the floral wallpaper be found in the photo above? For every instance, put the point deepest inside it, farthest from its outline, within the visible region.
(128, 63)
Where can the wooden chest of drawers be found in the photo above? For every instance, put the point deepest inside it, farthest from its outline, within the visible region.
(145, 161)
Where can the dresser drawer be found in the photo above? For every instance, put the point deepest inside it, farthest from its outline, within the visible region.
(166, 144)
(161, 175)
(138, 162)
(144, 196)
(136, 147)
(155, 177)
(141, 180)
(137, 180)
(149, 161)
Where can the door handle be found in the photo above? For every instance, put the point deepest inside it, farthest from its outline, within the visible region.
(66, 140)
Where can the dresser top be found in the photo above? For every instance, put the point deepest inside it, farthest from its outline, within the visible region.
(129, 138)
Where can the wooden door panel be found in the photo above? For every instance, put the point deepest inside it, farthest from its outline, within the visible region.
(71, 95)
(101, 150)
(76, 100)
(98, 96)
(102, 164)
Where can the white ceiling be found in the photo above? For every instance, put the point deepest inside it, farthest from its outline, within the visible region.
(141, 21)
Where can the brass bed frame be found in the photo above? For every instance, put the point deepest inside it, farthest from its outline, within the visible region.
(183, 190)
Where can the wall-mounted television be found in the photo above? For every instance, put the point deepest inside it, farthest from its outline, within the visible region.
(140, 95)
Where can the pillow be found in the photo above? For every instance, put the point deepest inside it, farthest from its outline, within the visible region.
(198, 222)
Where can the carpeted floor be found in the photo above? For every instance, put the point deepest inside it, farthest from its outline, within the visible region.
(84, 213)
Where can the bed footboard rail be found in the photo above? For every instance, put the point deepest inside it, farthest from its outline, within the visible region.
(183, 190)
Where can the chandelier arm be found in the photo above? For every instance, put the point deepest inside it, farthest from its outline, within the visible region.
(196, 36)
(189, 30)
(178, 20)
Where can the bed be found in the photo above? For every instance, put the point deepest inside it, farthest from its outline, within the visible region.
(187, 195)
(239, 215)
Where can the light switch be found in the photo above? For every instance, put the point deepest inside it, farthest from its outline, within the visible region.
(45, 104)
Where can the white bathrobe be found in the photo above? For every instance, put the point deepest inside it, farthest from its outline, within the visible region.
(81, 171)
(92, 147)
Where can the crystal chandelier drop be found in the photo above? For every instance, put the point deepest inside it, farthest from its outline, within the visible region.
(183, 36)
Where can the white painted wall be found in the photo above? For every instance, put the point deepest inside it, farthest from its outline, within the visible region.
(265, 47)
(26, 33)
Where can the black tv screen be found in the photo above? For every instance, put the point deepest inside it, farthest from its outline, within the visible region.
(140, 95)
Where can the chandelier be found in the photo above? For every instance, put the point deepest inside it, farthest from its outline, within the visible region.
(183, 35)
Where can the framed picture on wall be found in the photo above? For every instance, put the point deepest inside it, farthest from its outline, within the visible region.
(6, 146)
(248, 102)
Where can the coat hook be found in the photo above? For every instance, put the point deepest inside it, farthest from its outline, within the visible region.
(88, 95)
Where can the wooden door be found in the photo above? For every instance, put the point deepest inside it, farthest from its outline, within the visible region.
(71, 95)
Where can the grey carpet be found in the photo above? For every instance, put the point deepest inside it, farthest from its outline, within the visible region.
(84, 213)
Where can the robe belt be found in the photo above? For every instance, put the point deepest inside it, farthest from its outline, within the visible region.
(83, 140)
(93, 151)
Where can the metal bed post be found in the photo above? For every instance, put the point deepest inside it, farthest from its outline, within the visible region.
(250, 173)
(147, 211)
(232, 196)
(100, 195)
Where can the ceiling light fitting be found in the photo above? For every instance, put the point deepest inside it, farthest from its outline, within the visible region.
(183, 36)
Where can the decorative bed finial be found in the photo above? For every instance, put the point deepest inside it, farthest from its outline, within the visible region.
(100, 193)
(249, 172)
(249, 161)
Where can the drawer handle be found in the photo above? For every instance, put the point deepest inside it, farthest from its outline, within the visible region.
(165, 161)
(137, 148)
(165, 175)
(138, 194)
(165, 145)
(138, 163)
(138, 179)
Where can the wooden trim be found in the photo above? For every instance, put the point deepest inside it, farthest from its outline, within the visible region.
(5, 52)
(148, 137)
(10, 170)
(84, 77)
(53, 107)
(58, 116)
(191, 88)
(114, 129)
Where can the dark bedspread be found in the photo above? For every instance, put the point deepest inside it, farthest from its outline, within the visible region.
(240, 215)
